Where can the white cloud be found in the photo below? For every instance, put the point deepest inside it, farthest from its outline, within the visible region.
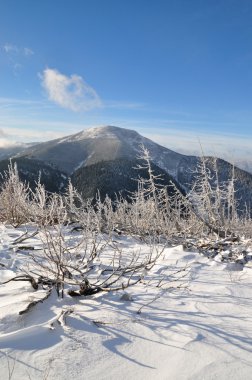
(69, 92)
(5, 143)
(6, 140)
(2, 133)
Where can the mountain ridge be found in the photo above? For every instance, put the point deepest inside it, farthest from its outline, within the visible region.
(89, 147)
(101, 144)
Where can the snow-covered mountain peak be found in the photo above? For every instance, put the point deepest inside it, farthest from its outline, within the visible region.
(107, 131)
(102, 143)
(125, 136)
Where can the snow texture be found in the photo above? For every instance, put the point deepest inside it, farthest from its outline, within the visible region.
(202, 332)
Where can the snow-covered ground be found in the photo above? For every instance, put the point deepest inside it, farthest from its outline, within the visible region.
(201, 331)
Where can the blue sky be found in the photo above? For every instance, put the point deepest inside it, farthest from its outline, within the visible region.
(177, 71)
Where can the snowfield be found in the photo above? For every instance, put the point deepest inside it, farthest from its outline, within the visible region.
(197, 326)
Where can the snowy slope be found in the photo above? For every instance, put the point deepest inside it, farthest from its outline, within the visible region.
(201, 332)
(101, 144)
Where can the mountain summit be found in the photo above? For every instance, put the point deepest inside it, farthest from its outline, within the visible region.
(94, 145)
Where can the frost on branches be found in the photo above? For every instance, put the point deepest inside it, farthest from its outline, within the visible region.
(80, 251)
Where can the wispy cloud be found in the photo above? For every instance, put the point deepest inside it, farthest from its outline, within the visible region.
(121, 105)
(2, 133)
(8, 48)
(69, 92)
(26, 120)
(5, 140)
(232, 147)
(13, 135)
(27, 51)
(13, 49)
(23, 104)
(16, 56)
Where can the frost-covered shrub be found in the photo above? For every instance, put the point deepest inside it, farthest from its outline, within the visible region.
(14, 198)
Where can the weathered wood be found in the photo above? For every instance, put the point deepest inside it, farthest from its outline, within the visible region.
(24, 277)
(33, 303)
(61, 319)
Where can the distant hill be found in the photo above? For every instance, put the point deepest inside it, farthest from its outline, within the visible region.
(83, 155)
(30, 170)
(10, 151)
